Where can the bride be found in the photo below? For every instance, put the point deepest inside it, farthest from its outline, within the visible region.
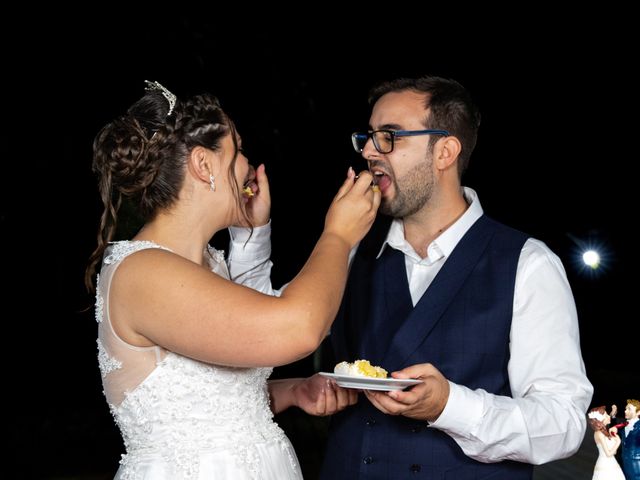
(185, 352)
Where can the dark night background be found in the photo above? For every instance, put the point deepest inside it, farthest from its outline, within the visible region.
(554, 158)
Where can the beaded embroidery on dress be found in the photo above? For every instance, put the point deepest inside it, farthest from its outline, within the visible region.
(185, 419)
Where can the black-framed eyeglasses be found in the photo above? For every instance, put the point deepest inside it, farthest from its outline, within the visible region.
(384, 140)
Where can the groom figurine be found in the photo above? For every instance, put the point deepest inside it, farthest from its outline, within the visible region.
(630, 440)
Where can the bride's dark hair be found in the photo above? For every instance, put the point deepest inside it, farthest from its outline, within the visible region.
(596, 424)
(141, 156)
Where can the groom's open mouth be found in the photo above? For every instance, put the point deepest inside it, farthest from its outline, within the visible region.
(380, 178)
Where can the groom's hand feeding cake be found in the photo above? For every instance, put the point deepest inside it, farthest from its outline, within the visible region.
(360, 368)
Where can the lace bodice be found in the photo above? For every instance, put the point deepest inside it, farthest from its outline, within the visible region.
(179, 407)
(186, 406)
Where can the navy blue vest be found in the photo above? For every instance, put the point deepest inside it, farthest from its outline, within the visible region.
(631, 452)
(461, 325)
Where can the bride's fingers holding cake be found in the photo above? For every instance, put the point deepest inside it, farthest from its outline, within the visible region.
(370, 190)
(363, 182)
(347, 185)
(373, 185)
(355, 183)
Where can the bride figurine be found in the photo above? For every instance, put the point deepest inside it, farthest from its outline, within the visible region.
(607, 468)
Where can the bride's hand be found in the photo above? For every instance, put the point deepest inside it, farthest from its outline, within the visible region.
(258, 206)
(318, 395)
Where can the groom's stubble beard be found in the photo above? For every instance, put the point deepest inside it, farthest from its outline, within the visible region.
(413, 190)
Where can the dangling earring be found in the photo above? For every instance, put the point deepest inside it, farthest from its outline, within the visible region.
(212, 183)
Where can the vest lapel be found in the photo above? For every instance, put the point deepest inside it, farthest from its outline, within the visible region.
(438, 296)
(390, 304)
(360, 298)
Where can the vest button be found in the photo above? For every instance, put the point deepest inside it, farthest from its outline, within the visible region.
(371, 422)
(415, 429)
(367, 460)
(415, 468)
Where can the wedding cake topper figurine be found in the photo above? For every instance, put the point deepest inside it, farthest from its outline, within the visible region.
(629, 433)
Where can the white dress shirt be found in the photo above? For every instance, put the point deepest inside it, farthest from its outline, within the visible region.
(545, 418)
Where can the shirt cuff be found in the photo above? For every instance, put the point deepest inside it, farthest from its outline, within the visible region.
(462, 413)
(247, 246)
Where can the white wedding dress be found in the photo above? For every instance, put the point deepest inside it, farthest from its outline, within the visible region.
(607, 468)
(181, 418)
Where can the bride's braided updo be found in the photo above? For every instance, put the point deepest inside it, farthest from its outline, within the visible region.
(142, 156)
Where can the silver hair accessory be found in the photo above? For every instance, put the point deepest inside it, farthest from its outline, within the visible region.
(171, 98)
(212, 183)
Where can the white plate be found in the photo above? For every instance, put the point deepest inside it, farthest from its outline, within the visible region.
(368, 383)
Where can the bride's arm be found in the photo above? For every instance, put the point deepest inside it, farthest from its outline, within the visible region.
(609, 450)
(316, 395)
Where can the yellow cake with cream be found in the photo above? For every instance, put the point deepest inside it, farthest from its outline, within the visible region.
(360, 368)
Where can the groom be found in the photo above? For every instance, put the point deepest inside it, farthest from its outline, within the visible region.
(438, 291)
(630, 440)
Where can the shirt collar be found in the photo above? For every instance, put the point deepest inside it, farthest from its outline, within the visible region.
(447, 240)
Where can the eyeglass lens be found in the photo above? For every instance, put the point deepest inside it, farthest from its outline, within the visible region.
(382, 140)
